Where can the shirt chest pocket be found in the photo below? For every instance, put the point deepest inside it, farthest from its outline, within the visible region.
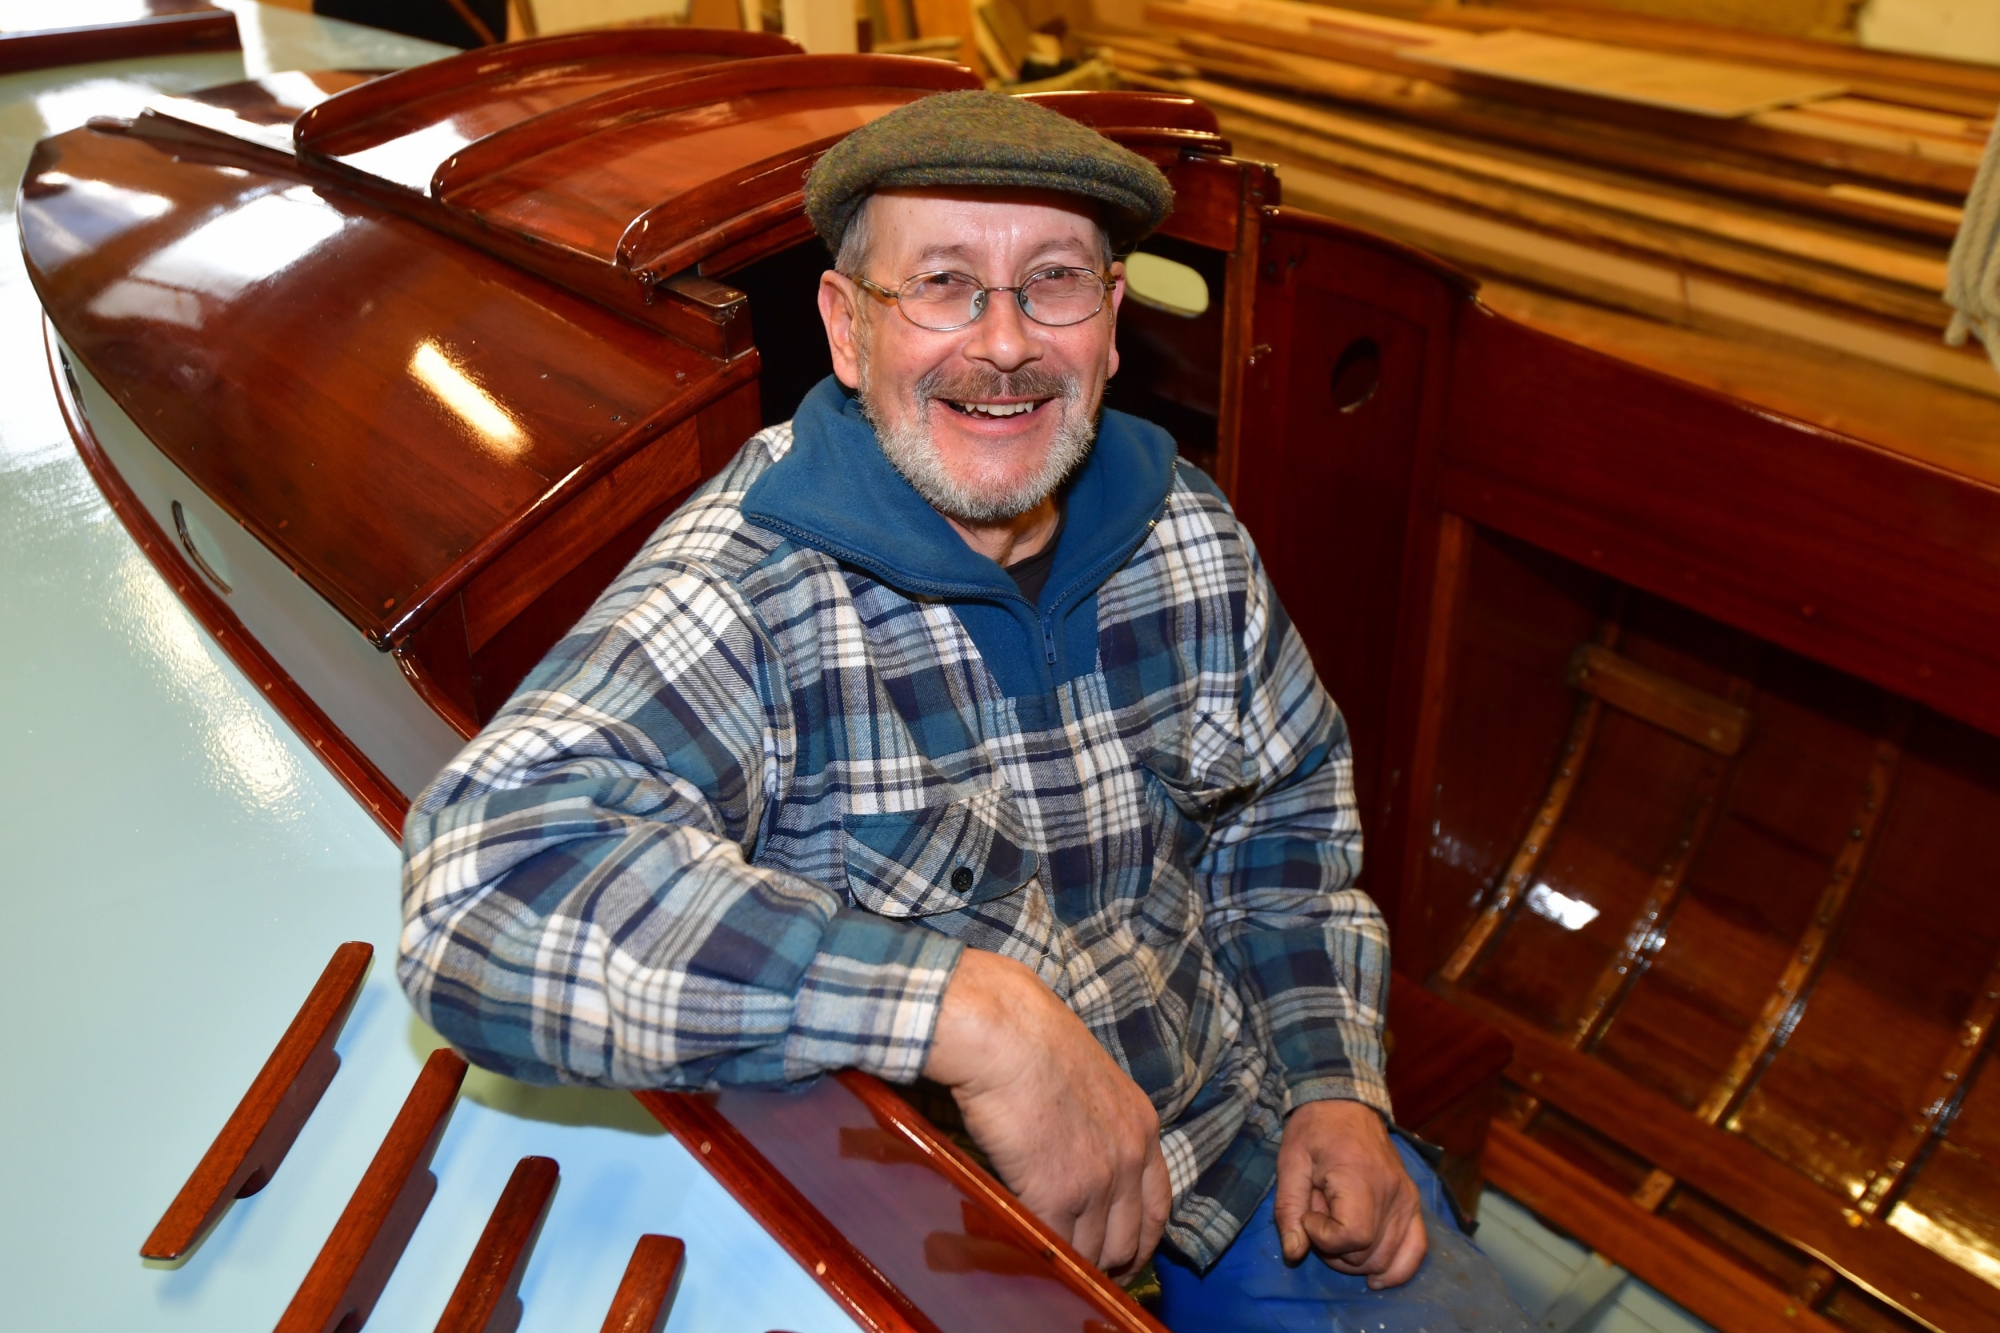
(940, 858)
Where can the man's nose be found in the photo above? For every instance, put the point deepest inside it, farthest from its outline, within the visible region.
(1003, 337)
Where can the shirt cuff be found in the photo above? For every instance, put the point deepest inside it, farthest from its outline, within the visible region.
(870, 998)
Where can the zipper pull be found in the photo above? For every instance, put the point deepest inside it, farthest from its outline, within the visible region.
(1048, 640)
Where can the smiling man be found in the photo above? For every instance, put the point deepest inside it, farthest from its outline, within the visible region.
(954, 731)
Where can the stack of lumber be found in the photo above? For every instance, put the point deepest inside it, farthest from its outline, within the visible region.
(1730, 184)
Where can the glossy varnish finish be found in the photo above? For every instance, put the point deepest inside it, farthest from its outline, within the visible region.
(410, 121)
(487, 1298)
(1681, 769)
(258, 1134)
(37, 36)
(360, 1254)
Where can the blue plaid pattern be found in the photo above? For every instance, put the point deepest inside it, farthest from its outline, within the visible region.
(738, 826)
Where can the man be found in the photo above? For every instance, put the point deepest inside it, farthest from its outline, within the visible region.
(953, 730)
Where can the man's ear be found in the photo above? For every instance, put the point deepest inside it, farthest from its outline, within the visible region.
(839, 310)
(1117, 299)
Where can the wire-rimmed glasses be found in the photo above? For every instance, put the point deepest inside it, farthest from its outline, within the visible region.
(943, 301)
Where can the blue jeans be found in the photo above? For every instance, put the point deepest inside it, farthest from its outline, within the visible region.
(1252, 1289)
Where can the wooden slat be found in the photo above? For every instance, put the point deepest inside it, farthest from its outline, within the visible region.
(487, 1298)
(1651, 78)
(1896, 1269)
(354, 1265)
(646, 1293)
(262, 1128)
(1707, 720)
(1654, 1250)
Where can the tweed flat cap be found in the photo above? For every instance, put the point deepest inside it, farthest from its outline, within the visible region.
(986, 138)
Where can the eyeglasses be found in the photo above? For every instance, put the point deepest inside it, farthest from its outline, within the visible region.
(941, 302)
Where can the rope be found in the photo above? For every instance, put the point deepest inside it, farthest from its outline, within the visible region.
(1972, 282)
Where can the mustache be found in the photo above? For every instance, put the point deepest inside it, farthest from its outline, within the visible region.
(961, 384)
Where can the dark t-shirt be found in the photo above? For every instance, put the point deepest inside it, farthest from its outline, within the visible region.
(1032, 574)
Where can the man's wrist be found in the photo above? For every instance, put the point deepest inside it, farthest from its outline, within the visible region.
(871, 998)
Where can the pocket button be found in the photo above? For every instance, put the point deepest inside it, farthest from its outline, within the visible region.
(961, 880)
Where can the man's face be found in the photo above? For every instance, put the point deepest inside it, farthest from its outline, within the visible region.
(930, 395)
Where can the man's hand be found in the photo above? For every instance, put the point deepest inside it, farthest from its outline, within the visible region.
(1343, 1190)
(1066, 1128)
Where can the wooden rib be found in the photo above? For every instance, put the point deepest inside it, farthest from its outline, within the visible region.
(1535, 845)
(646, 1293)
(1786, 1004)
(262, 1128)
(487, 1298)
(1941, 1100)
(1619, 684)
(1694, 715)
(361, 1252)
(1741, 1177)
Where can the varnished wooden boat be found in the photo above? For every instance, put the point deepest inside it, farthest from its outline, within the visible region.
(1674, 720)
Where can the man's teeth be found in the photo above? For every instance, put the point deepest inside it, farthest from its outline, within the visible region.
(995, 409)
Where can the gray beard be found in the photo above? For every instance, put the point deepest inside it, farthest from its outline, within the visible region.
(913, 453)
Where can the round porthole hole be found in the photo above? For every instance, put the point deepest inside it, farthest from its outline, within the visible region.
(1357, 374)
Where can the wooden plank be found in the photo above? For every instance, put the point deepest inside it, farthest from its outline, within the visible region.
(260, 1131)
(1694, 715)
(1651, 78)
(646, 1293)
(1741, 1177)
(487, 1297)
(1765, 248)
(1620, 281)
(1655, 1251)
(1647, 154)
(1918, 418)
(341, 1287)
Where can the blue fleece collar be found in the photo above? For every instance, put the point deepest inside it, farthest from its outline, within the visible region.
(836, 491)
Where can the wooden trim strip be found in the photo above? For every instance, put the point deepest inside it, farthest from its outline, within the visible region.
(1259, 188)
(487, 1297)
(1923, 1284)
(1941, 1100)
(158, 35)
(354, 1265)
(262, 1128)
(1647, 933)
(378, 796)
(1017, 1227)
(646, 1293)
(1653, 1249)
(1787, 1003)
(856, 1285)
(1693, 715)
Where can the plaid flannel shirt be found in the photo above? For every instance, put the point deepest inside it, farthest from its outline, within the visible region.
(737, 828)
